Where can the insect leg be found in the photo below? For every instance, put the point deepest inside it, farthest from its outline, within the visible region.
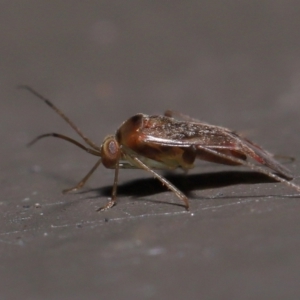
(112, 202)
(163, 180)
(82, 182)
(284, 158)
(252, 167)
(58, 111)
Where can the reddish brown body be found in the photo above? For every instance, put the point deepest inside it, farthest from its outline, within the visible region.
(164, 142)
(177, 143)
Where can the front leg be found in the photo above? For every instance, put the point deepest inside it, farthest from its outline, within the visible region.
(82, 182)
(112, 202)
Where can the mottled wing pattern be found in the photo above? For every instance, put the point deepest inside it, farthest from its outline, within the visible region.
(170, 132)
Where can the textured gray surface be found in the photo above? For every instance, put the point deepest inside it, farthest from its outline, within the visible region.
(232, 63)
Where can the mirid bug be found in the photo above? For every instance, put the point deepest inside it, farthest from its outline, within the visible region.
(167, 142)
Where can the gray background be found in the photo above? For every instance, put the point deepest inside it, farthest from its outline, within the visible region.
(230, 63)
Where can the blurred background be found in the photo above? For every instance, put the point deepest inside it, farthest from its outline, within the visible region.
(230, 63)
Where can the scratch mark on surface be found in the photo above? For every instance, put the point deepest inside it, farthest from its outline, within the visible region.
(119, 219)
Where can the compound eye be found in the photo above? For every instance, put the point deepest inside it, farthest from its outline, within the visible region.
(112, 147)
(110, 152)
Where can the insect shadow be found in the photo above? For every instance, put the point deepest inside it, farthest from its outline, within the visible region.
(187, 183)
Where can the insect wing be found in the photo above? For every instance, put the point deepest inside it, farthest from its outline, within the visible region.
(205, 137)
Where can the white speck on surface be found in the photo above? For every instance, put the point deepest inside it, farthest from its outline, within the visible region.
(156, 251)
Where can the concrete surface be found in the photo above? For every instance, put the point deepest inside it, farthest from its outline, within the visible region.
(230, 63)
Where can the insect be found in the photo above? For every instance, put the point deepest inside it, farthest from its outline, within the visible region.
(167, 142)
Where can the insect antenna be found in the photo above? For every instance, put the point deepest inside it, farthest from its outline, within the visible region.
(252, 167)
(66, 138)
(58, 111)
